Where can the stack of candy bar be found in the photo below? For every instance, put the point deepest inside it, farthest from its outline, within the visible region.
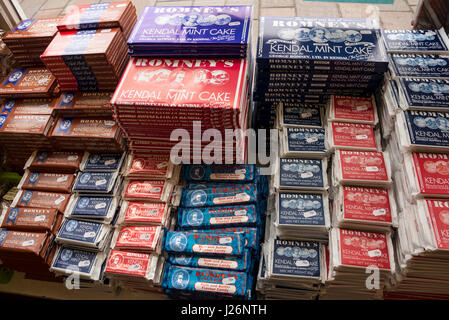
(37, 210)
(87, 60)
(24, 126)
(28, 40)
(145, 213)
(204, 32)
(83, 104)
(157, 95)
(28, 83)
(215, 249)
(120, 14)
(85, 234)
(96, 134)
(360, 263)
(414, 122)
(345, 55)
(291, 269)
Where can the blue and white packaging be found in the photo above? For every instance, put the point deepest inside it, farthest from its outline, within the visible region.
(337, 44)
(242, 263)
(415, 41)
(303, 143)
(84, 234)
(86, 264)
(423, 131)
(230, 195)
(419, 65)
(294, 115)
(210, 281)
(222, 216)
(250, 235)
(295, 260)
(92, 207)
(102, 162)
(105, 182)
(301, 174)
(423, 94)
(212, 244)
(302, 216)
(219, 173)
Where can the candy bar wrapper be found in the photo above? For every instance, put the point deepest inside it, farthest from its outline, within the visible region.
(219, 173)
(84, 234)
(41, 199)
(250, 235)
(100, 208)
(102, 162)
(353, 249)
(242, 263)
(156, 166)
(30, 219)
(300, 174)
(361, 168)
(211, 244)
(423, 94)
(86, 264)
(51, 182)
(293, 115)
(211, 281)
(355, 44)
(139, 239)
(42, 106)
(30, 244)
(432, 216)
(423, 131)
(419, 65)
(222, 216)
(416, 41)
(135, 213)
(303, 143)
(305, 209)
(147, 190)
(365, 207)
(97, 182)
(54, 161)
(425, 175)
(132, 265)
(352, 110)
(295, 260)
(28, 82)
(352, 136)
(223, 195)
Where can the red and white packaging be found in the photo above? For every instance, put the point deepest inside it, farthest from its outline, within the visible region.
(157, 166)
(147, 190)
(131, 265)
(426, 175)
(433, 218)
(138, 213)
(370, 209)
(355, 249)
(352, 110)
(138, 239)
(352, 136)
(361, 168)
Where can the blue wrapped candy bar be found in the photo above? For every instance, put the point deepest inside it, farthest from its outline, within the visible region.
(92, 207)
(325, 44)
(211, 281)
(96, 182)
(423, 94)
(302, 174)
(415, 41)
(212, 217)
(226, 195)
(219, 173)
(213, 244)
(102, 162)
(250, 235)
(242, 263)
(84, 234)
(419, 65)
(303, 142)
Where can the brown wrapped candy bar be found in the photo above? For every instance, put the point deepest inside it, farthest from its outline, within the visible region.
(28, 83)
(41, 199)
(52, 182)
(32, 219)
(85, 104)
(54, 161)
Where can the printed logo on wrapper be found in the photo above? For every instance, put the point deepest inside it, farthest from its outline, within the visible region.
(83, 202)
(178, 242)
(66, 254)
(180, 279)
(198, 198)
(71, 225)
(195, 217)
(197, 172)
